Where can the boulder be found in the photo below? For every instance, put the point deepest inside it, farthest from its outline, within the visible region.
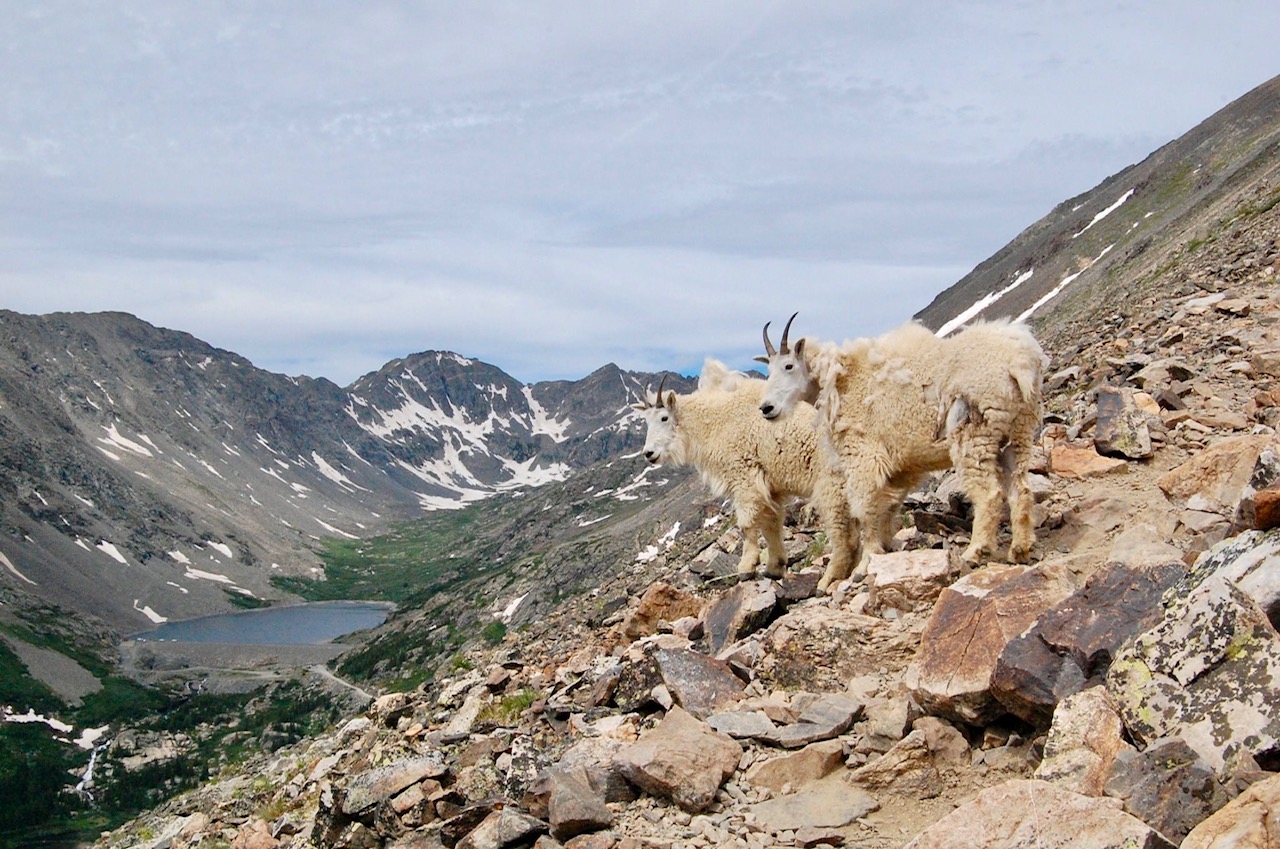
(1081, 461)
(970, 626)
(743, 610)
(885, 721)
(682, 759)
(1167, 786)
(819, 648)
(503, 827)
(814, 761)
(660, 603)
(820, 717)
(1084, 740)
(1025, 813)
(595, 755)
(1249, 821)
(742, 724)
(699, 684)
(573, 805)
(368, 788)
(1071, 646)
(919, 764)
(1214, 480)
(1251, 561)
(255, 834)
(1121, 430)
(1208, 672)
(824, 804)
(907, 580)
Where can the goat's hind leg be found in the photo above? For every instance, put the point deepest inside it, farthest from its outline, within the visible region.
(1016, 460)
(979, 456)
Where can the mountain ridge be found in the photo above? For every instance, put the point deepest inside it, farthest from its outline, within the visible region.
(146, 450)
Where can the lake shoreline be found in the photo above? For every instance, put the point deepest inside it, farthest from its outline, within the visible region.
(304, 623)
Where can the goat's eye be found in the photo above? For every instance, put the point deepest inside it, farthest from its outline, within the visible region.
(790, 366)
(664, 418)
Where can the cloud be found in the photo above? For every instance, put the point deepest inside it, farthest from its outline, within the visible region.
(551, 186)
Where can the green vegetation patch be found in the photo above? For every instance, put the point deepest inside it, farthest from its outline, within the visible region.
(424, 555)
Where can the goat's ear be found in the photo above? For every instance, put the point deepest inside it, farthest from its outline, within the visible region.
(670, 402)
(640, 407)
(761, 359)
(798, 348)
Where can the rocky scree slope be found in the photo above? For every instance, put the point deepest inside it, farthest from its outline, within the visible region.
(148, 475)
(1119, 691)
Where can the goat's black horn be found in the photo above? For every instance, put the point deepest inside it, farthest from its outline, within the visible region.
(786, 331)
(768, 346)
(661, 383)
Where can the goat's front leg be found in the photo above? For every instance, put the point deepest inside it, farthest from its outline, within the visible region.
(775, 554)
(750, 551)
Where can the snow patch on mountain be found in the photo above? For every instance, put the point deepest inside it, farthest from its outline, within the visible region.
(541, 421)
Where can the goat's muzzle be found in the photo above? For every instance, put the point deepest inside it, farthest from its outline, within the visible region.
(769, 411)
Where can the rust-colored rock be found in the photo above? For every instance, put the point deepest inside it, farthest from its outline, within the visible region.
(1081, 461)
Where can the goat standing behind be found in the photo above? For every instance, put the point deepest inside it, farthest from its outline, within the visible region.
(758, 464)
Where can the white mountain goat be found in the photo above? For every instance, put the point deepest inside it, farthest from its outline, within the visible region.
(758, 464)
(907, 403)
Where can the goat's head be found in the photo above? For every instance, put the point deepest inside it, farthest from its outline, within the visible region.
(659, 411)
(789, 381)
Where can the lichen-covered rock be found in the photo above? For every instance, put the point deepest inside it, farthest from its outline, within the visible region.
(1251, 561)
(1209, 672)
(1166, 786)
(1122, 429)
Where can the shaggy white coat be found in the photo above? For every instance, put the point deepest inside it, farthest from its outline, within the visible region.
(759, 465)
(907, 403)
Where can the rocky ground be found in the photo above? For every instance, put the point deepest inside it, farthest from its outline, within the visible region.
(1118, 691)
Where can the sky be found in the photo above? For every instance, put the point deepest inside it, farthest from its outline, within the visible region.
(552, 186)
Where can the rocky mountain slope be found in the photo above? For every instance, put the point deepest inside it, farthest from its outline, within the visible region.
(1118, 691)
(148, 475)
(1093, 245)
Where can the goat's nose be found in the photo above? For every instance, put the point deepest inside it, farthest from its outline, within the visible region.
(651, 456)
(767, 410)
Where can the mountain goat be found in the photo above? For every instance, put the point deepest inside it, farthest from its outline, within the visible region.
(759, 464)
(907, 403)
